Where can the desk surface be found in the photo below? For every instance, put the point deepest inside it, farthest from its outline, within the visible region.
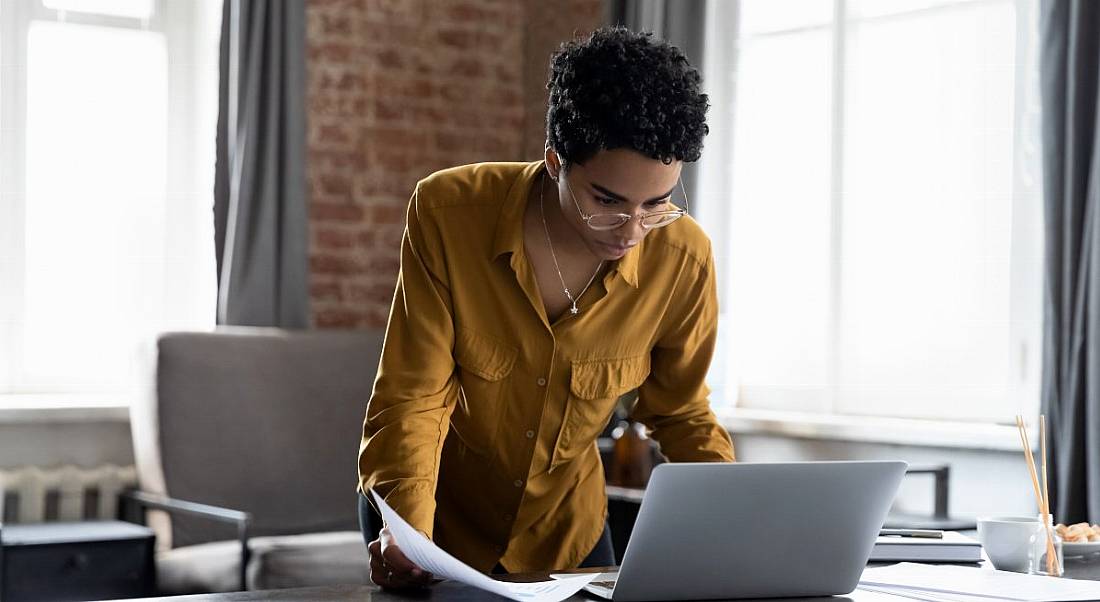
(448, 590)
(441, 591)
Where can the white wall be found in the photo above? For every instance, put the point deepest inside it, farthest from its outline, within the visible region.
(55, 443)
(982, 481)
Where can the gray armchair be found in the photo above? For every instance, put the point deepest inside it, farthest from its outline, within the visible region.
(248, 443)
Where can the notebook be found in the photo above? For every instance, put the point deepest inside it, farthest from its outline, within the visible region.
(954, 547)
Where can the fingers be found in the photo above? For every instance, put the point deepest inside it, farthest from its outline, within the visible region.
(384, 575)
(394, 557)
(403, 569)
(390, 568)
(378, 570)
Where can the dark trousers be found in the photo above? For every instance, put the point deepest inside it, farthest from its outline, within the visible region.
(603, 554)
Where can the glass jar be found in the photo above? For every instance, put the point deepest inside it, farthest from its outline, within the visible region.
(633, 459)
(1037, 549)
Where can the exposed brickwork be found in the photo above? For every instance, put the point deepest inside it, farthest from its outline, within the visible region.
(401, 88)
(548, 25)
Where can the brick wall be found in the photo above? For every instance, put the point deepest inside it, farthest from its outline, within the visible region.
(397, 90)
(548, 24)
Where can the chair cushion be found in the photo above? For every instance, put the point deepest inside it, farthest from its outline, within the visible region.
(313, 559)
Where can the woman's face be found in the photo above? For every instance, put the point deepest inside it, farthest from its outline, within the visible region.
(614, 181)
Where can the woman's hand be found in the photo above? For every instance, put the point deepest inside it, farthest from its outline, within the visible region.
(390, 568)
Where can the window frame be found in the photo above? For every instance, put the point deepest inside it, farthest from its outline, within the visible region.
(176, 20)
(715, 213)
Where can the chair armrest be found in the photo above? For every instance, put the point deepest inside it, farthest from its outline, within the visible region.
(134, 503)
(156, 501)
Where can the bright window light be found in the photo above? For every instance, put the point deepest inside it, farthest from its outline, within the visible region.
(882, 240)
(928, 213)
(107, 141)
(95, 200)
(779, 259)
(138, 9)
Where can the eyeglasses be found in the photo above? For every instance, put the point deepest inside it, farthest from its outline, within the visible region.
(610, 221)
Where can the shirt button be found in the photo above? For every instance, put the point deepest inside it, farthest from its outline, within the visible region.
(530, 434)
(518, 483)
(507, 517)
(542, 382)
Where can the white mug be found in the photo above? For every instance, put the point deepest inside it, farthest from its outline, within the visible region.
(1005, 540)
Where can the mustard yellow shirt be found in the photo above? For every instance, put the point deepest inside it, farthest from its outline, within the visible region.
(482, 426)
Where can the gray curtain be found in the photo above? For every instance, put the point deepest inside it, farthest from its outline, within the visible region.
(260, 203)
(1070, 60)
(680, 22)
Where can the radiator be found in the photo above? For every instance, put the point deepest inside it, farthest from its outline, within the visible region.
(32, 494)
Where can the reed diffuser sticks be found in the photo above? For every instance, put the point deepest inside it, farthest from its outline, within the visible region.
(1042, 494)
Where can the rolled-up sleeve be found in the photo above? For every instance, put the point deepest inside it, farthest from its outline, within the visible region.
(673, 402)
(415, 392)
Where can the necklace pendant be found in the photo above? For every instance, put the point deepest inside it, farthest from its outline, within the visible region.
(573, 310)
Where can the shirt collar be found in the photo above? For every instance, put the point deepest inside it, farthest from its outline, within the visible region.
(508, 237)
(627, 265)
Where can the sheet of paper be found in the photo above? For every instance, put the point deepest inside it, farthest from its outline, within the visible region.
(439, 563)
(927, 596)
(975, 582)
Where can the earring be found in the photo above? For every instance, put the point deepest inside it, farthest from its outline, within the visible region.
(561, 163)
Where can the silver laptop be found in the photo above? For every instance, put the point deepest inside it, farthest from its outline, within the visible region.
(708, 531)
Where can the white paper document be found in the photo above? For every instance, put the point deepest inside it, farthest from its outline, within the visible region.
(943, 583)
(927, 596)
(430, 557)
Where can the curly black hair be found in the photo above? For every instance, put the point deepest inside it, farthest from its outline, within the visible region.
(621, 89)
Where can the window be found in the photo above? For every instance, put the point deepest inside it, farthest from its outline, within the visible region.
(107, 121)
(872, 185)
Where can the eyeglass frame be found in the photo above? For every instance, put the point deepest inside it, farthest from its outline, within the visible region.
(587, 218)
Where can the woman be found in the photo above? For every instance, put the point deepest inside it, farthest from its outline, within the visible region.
(531, 297)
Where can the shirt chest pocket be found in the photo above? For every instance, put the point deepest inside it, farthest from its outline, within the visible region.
(484, 364)
(594, 387)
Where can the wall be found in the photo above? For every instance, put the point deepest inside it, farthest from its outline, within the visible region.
(548, 24)
(982, 482)
(401, 88)
(55, 443)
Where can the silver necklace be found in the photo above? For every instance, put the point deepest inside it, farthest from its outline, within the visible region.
(565, 289)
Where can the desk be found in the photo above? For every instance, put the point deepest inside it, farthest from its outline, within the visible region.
(458, 592)
(440, 591)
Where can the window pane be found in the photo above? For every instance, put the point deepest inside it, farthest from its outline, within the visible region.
(862, 9)
(927, 215)
(778, 295)
(96, 148)
(767, 16)
(139, 9)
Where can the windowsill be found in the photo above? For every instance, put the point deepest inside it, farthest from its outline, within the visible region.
(15, 409)
(872, 429)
